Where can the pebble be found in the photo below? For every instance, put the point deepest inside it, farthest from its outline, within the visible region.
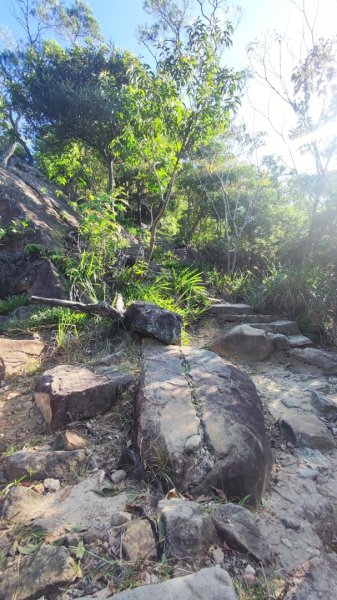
(286, 542)
(118, 476)
(53, 485)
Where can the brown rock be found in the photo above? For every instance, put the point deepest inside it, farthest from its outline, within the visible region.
(245, 342)
(70, 440)
(19, 356)
(138, 542)
(41, 465)
(42, 573)
(67, 393)
(306, 431)
(327, 361)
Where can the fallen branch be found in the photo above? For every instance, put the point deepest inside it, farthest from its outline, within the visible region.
(103, 309)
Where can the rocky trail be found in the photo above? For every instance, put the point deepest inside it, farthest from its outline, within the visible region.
(155, 471)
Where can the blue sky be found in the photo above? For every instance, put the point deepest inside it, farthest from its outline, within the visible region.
(119, 20)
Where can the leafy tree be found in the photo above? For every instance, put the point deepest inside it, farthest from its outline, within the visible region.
(38, 19)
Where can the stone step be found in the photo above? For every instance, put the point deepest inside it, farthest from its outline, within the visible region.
(222, 310)
(285, 327)
(244, 318)
(299, 341)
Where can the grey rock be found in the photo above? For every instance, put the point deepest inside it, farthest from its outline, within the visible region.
(67, 393)
(41, 465)
(200, 421)
(206, 584)
(325, 405)
(245, 342)
(46, 281)
(138, 542)
(299, 341)
(327, 361)
(52, 485)
(238, 528)
(119, 518)
(314, 580)
(186, 528)
(306, 431)
(149, 320)
(118, 476)
(225, 309)
(280, 341)
(44, 572)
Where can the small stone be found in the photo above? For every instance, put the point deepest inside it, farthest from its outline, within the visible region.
(118, 476)
(306, 431)
(217, 555)
(120, 518)
(69, 440)
(286, 542)
(138, 542)
(52, 484)
(42, 465)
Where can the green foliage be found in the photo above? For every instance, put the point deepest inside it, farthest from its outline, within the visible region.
(12, 302)
(179, 290)
(47, 318)
(231, 287)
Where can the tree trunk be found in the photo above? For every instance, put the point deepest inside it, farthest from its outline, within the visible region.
(111, 185)
(8, 153)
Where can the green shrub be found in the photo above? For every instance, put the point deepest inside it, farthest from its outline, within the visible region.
(12, 302)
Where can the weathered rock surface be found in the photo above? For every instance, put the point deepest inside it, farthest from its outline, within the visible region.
(40, 465)
(19, 356)
(210, 584)
(200, 420)
(280, 341)
(299, 341)
(149, 320)
(325, 405)
(44, 572)
(318, 358)
(237, 527)
(245, 342)
(186, 528)
(68, 393)
(81, 505)
(285, 327)
(306, 431)
(138, 541)
(315, 580)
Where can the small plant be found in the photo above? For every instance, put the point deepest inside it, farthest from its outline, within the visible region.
(12, 302)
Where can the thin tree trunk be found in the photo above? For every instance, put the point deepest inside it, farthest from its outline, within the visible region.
(8, 153)
(111, 184)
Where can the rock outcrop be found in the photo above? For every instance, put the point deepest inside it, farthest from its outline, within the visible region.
(200, 423)
(66, 393)
(149, 320)
(19, 356)
(243, 341)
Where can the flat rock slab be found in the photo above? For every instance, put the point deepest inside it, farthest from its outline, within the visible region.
(315, 580)
(81, 505)
(210, 584)
(318, 358)
(200, 421)
(223, 310)
(40, 465)
(44, 572)
(237, 527)
(245, 342)
(299, 341)
(150, 320)
(68, 393)
(186, 528)
(284, 326)
(19, 356)
(306, 431)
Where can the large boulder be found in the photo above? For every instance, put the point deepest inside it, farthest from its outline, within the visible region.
(19, 356)
(186, 529)
(200, 423)
(245, 342)
(68, 393)
(149, 320)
